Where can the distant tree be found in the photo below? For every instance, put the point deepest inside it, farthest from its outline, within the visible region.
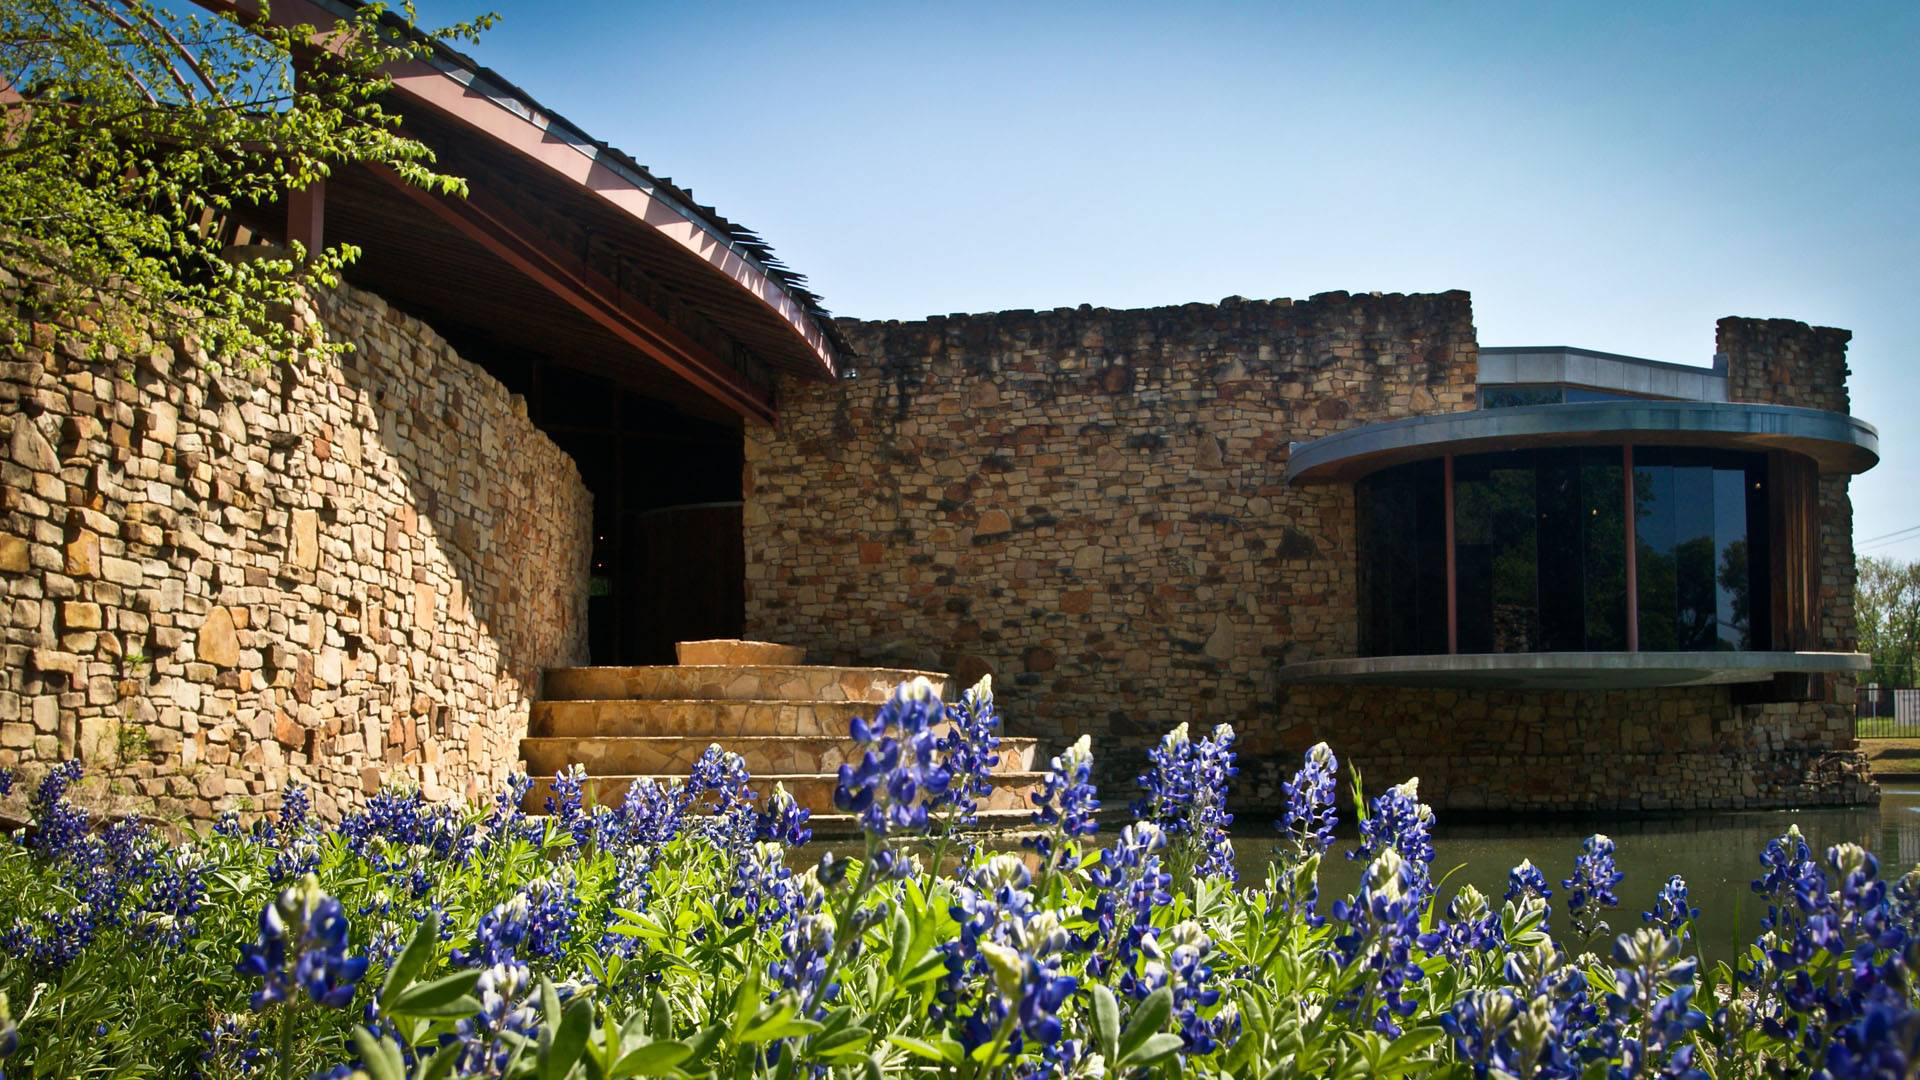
(1887, 607)
(129, 133)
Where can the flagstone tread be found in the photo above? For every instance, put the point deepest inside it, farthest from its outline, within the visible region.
(707, 718)
(750, 682)
(814, 791)
(676, 754)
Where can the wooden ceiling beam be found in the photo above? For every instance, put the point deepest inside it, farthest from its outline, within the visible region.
(527, 249)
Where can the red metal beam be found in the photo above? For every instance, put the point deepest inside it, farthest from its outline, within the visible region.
(1453, 587)
(1633, 552)
(524, 247)
(527, 133)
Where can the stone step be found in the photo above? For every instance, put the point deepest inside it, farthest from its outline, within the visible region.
(719, 682)
(675, 754)
(733, 651)
(704, 719)
(814, 791)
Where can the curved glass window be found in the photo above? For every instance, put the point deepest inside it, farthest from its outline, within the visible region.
(1540, 558)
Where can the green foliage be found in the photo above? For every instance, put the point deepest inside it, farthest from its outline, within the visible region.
(132, 136)
(1887, 607)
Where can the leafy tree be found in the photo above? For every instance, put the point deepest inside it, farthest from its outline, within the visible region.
(1887, 608)
(131, 134)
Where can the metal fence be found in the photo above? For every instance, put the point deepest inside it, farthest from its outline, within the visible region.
(1886, 712)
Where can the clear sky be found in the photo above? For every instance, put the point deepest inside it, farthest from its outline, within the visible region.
(1609, 176)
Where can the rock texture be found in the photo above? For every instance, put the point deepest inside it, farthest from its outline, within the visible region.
(1090, 505)
(328, 573)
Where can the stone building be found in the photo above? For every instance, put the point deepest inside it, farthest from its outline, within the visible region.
(587, 417)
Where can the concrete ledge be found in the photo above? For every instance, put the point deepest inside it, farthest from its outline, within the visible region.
(1573, 670)
(1837, 442)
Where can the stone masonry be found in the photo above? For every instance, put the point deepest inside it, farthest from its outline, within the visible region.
(1091, 505)
(328, 573)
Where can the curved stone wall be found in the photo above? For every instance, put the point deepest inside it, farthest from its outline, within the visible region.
(217, 584)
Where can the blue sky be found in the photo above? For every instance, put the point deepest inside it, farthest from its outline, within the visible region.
(1609, 176)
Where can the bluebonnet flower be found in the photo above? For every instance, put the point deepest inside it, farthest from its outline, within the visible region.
(967, 750)
(1066, 806)
(1398, 820)
(534, 924)
(1651, 1005)
(566, 806)
(763, 888)
(293, 837)
(1481, 1024)
(232, 1047)
(900, 776)
(1382, 925)
(1310, 815)
(1131, 884)
(1590, 889)
(1557, 1027)
(506, 1010)
(805, 944)
(6, 782)
(58, 824)
(1186, 795)
(1176, 959)
(506, 820)
(302, 946)
(722, 777)
(1470, 927)
(1671, 909)
(1066, 1059)
(396, 819)
(783, 819)
(1028, 990)
(175, 891)
(1526, 882)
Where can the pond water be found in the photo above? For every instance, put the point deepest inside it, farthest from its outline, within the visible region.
(1717, 852)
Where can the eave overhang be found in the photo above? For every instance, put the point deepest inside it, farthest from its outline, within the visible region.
(1838, 443)
(1573, 670)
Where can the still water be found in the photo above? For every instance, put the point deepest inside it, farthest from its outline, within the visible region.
(1718, 854)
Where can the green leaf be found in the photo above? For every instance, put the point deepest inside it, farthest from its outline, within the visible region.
(870, 1069)
(1149, 1018)
(411, 962)
(849, 1042)
(444, 996)
(922, 1048)
(1157, 1048)
(902, 942)
(1106, 1022)
(558, 1058)
(708, 1038)
(382, 1058)
(439, 1065)
(653, 1059)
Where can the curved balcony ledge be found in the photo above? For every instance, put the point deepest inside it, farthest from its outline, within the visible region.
(1839, 443)
(1573, 670)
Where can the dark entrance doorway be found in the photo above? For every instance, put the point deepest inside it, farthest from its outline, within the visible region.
(668, 564)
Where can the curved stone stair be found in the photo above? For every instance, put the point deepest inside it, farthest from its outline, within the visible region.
(788, 721)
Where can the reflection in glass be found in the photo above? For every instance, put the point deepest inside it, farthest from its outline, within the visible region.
(1496, 553)
(1540, 552)
(1401, 536)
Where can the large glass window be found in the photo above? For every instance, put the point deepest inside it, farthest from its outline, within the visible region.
(1402, 532)
(1540, 552)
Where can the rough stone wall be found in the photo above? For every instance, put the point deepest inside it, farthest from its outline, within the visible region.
(1091, 505)
(1783, 362)
(217, 584)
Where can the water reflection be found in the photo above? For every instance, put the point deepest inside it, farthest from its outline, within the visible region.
(1718, 854)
